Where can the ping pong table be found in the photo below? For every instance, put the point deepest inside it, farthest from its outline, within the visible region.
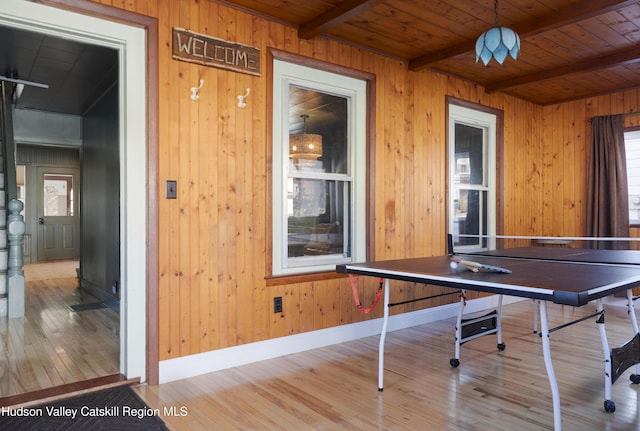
(566, 276)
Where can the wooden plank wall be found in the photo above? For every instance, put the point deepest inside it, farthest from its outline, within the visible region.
(213, 238)
(566, 139)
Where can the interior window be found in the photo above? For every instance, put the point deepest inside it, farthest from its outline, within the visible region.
(319, 174)
(58, 195)
(472, 173)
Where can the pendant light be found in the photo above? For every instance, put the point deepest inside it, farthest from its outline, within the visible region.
(497, 43)
(305, 145)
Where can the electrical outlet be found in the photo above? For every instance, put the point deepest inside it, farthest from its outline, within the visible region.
(277, 304)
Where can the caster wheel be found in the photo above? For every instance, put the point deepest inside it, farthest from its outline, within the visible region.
(635, 378)
(454, 362)
(501, 347)
(609, 406)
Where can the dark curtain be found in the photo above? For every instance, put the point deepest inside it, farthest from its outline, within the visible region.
(608, 197)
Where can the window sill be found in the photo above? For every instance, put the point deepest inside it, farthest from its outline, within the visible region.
(279, 280)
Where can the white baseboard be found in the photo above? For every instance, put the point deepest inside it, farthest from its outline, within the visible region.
(216, 360)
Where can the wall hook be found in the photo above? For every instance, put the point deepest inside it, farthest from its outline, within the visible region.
(241, 102)
(195, 90)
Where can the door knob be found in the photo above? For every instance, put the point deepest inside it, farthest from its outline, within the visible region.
(41, 220)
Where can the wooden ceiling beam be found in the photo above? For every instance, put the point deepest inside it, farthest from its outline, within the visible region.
(620, 58)
(569, 15)
(339, 14)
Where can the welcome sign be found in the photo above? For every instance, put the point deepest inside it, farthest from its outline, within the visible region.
(210, 51)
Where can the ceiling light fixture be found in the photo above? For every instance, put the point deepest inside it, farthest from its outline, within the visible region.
(305, 145)
(497, 42)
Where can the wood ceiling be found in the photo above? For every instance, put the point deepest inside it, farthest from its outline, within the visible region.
(570, 49)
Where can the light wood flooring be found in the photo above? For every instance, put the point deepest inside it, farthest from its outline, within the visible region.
(53, 345)
(335, 388)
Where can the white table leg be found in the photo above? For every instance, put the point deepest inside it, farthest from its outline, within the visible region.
(383, 335)
(631, 310)
(456, 356)
(499, 322)
(546, 349)
(609, 405)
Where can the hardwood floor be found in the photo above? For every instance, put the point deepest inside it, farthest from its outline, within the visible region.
(335, 388)
(54, 345)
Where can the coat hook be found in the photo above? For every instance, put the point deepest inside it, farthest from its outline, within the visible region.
(195, 90)
(241, 102)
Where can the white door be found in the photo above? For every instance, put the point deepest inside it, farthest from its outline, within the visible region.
(58, 232)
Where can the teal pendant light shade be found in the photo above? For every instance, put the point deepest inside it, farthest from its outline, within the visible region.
(497, 43)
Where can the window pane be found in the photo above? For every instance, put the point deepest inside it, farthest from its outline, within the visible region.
(58, 195)
(317, 131)
(316, 219)
(470, 217)
(21, 186)
(632, 148)
(469, 168)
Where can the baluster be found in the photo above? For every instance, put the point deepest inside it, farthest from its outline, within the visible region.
(15, 272)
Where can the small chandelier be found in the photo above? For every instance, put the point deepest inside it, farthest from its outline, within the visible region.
(497, 42)
(305, 145)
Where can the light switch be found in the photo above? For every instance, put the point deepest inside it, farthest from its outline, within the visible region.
(172, 189)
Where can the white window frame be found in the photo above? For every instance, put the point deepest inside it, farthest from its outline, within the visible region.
(632, 154)
(488, 123)
(355, 90)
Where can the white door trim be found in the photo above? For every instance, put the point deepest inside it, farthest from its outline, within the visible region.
(131, 44)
